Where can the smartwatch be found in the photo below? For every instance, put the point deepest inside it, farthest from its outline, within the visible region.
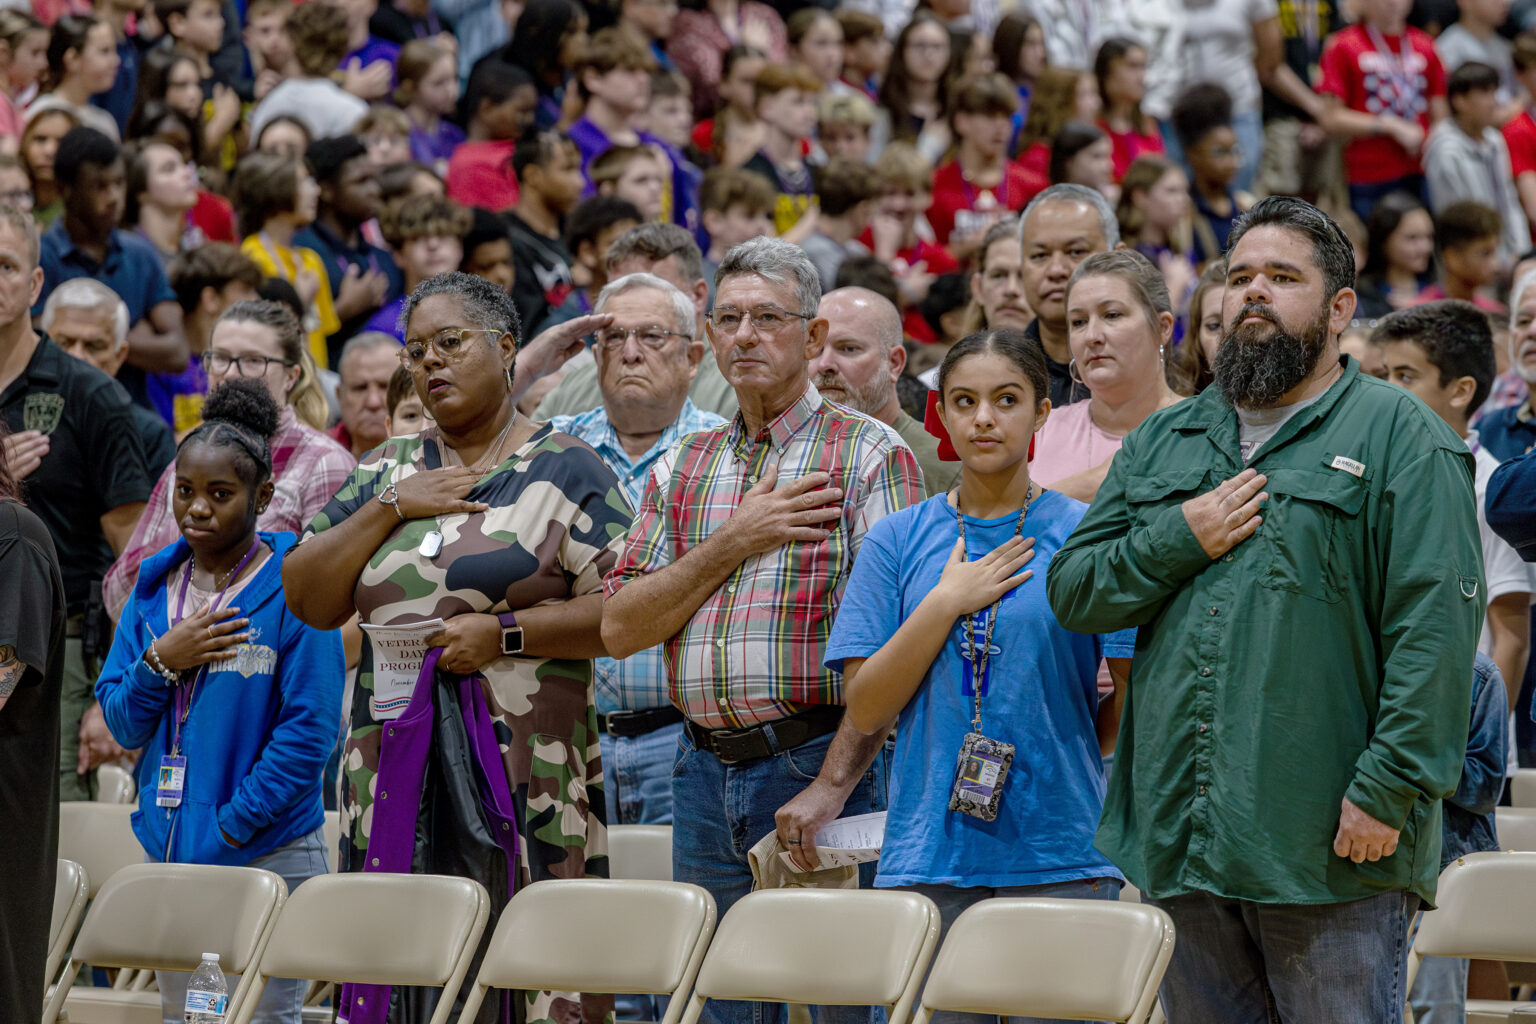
(511, 634)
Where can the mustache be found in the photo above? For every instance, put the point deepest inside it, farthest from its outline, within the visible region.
(828, 378)
(1258, 309)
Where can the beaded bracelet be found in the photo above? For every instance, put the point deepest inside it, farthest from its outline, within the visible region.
(153, 657)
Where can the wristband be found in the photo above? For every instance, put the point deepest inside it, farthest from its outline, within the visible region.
(391, 497)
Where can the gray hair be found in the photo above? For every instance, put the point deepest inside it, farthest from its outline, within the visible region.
(364, 342)
(1077, 194)
(778, 261)
(682, 305)
(486, 305)
(88, 293)
(655, 241)
(1517, 293)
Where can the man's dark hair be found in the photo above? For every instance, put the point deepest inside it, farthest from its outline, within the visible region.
(328, 156)
(1332, 250)
(1199, 110)
(1473, 76)
(843, 183)
(212, 265)
(485, 227)
(948, 293)
(494, 81)
(1466, 222)
(593, 217)
(538, 149)
(1453, 335)
(82, 146)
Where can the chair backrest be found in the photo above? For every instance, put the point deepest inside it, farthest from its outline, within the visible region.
(71, 888)
(1487, 902)
(165, 916)
(1072, 959)
(1522, 787)
(1516, 827)
(599, 936)
(100, 838)
(640, 852)
(114, 785)
(378, 929)
(820, 946)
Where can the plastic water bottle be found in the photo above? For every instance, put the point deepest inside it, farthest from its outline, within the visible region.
(207, 993)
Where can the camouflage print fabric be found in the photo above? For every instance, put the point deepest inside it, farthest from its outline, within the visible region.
(555, 525)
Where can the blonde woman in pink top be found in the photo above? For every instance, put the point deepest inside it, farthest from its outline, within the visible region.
(1119, 324)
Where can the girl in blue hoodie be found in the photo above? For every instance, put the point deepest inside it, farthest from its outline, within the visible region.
(235, 703)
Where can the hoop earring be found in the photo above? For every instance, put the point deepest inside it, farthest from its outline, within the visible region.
(1072, 372)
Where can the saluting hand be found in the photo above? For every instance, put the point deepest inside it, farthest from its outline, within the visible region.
(1225, 517)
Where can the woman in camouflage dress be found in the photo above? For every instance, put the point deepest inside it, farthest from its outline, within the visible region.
(495, 524)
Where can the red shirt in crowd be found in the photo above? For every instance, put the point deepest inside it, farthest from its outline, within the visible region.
(961, 211)
(1132, 144)
(214, 216)
(480, 174)
(1520, 137)
(1381, 74)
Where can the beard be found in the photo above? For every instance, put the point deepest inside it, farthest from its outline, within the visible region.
(868, 400)
(1257, 364)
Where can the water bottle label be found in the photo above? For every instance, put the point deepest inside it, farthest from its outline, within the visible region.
(206, 1002)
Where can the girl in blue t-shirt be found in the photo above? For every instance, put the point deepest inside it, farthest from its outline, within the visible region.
(944, 629)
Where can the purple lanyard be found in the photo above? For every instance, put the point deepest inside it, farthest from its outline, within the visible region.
(185, 691)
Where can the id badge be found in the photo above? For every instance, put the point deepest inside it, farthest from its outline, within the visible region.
(172, 783)
(979, 776)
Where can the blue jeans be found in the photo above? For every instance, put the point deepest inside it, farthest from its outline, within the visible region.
(953, 900)
(637, 786)
(637, 776)
(282, 1002)
(1363, 198)
(1238, 962)
(1439, 992)
(720, 812)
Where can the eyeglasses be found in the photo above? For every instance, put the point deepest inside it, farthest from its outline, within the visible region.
(765, 319)
(245, 366)
(449, 344)
(652, 337)
(20, 198)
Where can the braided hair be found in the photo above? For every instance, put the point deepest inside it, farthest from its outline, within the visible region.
(239, 414)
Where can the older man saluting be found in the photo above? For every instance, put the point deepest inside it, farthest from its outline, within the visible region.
(645, 363)
(1299, 550)
(858, 367)
(736, 561)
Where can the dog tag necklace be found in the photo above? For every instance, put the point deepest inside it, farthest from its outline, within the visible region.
(432, 543)
(983, 763)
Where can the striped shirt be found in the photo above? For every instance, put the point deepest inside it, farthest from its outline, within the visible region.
(639, 681)
(753, 651)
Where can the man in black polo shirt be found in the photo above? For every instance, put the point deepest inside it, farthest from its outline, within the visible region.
(363, 276)
(88, 482)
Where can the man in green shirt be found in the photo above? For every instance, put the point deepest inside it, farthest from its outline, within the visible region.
(858, 367)
(1298, 549)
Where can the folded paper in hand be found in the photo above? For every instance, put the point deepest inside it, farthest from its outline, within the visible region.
(399, 650)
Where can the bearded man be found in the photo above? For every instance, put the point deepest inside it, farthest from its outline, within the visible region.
(1299, 550)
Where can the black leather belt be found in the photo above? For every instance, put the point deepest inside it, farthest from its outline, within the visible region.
(734, 746)
(629, 724)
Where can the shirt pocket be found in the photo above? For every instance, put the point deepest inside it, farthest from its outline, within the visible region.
(1147, 496)
(1305, 533)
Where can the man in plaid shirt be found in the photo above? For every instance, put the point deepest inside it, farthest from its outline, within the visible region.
(740, 578)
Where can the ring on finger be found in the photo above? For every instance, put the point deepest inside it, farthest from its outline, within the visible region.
(792, 842)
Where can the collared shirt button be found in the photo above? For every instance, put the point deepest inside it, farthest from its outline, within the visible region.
(730, 588)
(1229, 556)
(1202, 791)
(1215, 610)
(1205, 671)
(752, 478)
(1203, 728)
(720, 642)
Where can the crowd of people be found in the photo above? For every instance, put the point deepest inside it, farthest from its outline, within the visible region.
(1092, 433)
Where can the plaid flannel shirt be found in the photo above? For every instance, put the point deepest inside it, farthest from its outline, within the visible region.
(307, 468)
(753, 651)
(638, 682)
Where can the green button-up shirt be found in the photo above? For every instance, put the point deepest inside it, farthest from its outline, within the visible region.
(1328, 655)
